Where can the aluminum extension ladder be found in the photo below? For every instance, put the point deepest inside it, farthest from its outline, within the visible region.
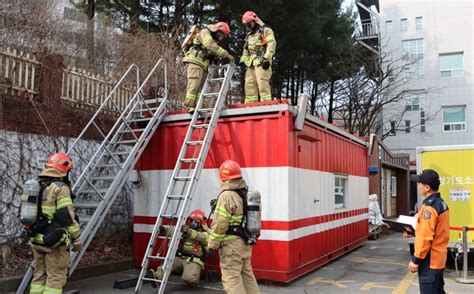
(185, 177)
(106, 171)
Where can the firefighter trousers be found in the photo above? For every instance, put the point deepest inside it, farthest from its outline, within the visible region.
(236, 268)
(50, 270)
(195, 76)
(257, 84)
(190, 271)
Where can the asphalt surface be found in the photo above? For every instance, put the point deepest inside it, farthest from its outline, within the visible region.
(379, 266)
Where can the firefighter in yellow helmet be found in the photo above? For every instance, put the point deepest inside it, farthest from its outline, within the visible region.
(56, 229)
(197, 57)
(259, 50)
(235, 253)
(190, 258)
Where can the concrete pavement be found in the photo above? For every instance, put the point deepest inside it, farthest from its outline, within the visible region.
(377, 267)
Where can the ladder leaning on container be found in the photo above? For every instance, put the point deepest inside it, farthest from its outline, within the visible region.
(187, 171)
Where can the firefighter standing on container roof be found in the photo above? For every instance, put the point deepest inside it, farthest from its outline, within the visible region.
(235, 253)
(58, 228)
(198, 56)
(190, 257)
(431, 235)
(258, 53)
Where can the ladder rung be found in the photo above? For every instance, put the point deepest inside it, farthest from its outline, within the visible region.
(208, 110)
(128, 131)
(156, 257)
(152, 280)
(183, 178)
(189, 160)
(176, 197)
(145, 110)
(84, 218)
(202, 126)
(163, 237)
(217, 79)
(121, 153)
(172, 216)
(195, 142)
(86, 205)
(139, 119)
(102, 178)
(123, 142)
(210, 94)
(92, 191)
(107, 165)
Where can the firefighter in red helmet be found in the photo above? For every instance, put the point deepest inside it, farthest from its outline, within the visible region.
(235, 253)
(201, 47)
(56, 228)
(190, 257)
(259, 49)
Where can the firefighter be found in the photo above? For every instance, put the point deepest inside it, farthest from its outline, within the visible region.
(203, 49)
(235, 254)
(59, 228)
(431, 235)
(259, 50)
(190, 257)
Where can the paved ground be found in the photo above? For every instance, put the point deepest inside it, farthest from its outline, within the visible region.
(378, 267)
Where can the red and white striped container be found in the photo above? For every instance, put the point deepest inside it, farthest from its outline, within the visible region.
(295, 173)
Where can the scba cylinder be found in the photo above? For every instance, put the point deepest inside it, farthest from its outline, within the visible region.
(29, 202)
(254, 214)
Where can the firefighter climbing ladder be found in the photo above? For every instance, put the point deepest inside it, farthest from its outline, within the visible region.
(186, 174)
(106, 171)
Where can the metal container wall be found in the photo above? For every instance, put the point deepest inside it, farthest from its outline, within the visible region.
(295, 174)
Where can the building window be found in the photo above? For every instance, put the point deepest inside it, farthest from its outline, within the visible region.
(454, 118)
(403, 25)
(413, 52)
(415, 103)
(340, 192)
(422, 121)
(393, 128)
(419, 23)
(393, 186)
(451, 65)
(388, 26)
(407, 126)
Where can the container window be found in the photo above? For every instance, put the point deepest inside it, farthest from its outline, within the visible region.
(393, 186)
(340, 192)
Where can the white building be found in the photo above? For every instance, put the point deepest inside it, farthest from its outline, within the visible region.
(438, 36)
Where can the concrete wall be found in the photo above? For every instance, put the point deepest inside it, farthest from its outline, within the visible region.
(447, 28)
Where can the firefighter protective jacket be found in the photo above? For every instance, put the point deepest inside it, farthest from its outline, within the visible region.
(432, 232)
(194, 245)
(229, 211)
(259, 45)
(203, 45)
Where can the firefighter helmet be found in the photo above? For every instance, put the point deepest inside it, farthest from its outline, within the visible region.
(223, 27)
(60, 162)
(249, 17)
(229, 170)
(197, 215)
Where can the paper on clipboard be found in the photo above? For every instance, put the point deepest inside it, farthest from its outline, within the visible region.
(402, 223)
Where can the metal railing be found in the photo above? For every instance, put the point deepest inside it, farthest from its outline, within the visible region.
(17, 71)
(368, 28)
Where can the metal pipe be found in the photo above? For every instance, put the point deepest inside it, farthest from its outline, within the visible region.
(465, 266)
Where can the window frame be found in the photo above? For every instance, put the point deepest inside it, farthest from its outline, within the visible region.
(345, 178)
(418, 58)
(386, 26)
(420, 23)
(393, 186)
(451, 70)
(463, 125)
(402, 27)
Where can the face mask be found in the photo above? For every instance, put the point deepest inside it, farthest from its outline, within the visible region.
(195, 225)
(250, 26)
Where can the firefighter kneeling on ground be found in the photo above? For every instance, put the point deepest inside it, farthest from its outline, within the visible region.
(56, 228)
(201, 48)
(228, 235)
(190, 257)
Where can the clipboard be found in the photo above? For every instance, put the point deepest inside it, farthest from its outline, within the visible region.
(402, 224)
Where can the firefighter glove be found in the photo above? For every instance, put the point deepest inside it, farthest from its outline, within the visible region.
(76, 245)
(228, 58)
(265, 64)
(162, 230)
